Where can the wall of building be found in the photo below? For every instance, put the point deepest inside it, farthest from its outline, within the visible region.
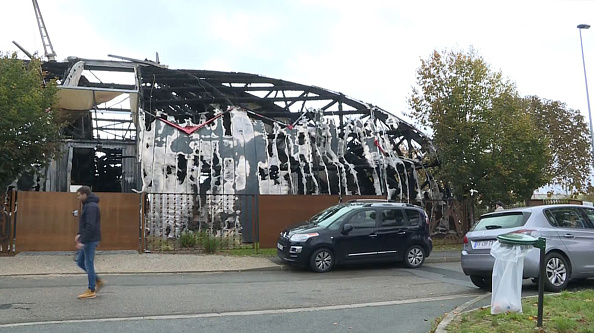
(223, 160)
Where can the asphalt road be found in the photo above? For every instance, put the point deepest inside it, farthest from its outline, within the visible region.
(356, 299)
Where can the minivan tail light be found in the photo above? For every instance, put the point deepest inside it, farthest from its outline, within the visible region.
(465, 241)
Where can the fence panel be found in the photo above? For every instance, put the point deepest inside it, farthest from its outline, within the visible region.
(183, 222)
(44, 221)
(280, 211)
(120, 221)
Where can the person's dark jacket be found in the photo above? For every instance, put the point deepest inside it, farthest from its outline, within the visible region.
(89, 222)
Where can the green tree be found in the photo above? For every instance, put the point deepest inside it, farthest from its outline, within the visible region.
(569, 142)
(29, 129)
(485, 140)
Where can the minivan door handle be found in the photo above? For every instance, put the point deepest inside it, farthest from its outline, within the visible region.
(569, 236)
(372, 235)
(401, 233)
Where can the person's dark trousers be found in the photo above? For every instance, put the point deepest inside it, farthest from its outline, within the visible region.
(86, 261)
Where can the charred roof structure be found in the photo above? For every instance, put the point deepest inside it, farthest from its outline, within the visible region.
(199, 131)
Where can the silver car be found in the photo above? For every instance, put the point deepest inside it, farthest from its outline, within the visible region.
(568, 229)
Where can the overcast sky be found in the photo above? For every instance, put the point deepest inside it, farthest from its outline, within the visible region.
(368, 50)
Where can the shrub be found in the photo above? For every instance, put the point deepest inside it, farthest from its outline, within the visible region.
(166, 247)
(187, 239)
(200, 237)
(210, 244)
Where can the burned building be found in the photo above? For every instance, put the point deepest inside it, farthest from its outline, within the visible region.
(216, 135)
(195, 131)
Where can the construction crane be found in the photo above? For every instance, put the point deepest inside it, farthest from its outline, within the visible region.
(47, 43)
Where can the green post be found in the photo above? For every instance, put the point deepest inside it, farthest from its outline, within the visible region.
(541, 244)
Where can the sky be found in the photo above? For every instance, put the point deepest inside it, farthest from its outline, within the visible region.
(368, 50)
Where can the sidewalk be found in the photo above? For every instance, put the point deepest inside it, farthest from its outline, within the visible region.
(131, 262)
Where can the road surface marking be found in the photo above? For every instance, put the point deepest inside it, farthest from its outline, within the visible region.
(242, 313)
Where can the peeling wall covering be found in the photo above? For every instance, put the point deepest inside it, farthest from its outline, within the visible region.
(250, 157)
(247, 157)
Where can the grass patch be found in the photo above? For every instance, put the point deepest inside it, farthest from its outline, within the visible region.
(251, 252)
(446, 245)
(568, 312)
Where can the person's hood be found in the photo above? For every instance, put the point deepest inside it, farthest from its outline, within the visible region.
(92, 198)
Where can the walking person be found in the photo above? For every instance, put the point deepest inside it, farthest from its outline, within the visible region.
(87, 239)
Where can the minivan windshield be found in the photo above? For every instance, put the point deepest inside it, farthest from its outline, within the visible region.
(329, 215)
(501, 221)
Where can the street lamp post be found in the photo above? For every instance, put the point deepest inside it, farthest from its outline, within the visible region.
(580, 27)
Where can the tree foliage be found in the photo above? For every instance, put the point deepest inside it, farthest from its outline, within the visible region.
(569, 142)
(486, 142)
(29, 129)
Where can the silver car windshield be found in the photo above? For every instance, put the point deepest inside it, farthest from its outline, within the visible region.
(500, 221)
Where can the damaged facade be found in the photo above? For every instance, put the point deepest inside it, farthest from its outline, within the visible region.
(205, 131)
(212, 137)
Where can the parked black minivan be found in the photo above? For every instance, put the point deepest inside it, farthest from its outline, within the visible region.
(356, 232)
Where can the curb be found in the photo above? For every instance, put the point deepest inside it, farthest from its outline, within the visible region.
(277, 265)
(442, 259)
(441, 328)
(271, 268)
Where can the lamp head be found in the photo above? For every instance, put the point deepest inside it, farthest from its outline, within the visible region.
(583, 26)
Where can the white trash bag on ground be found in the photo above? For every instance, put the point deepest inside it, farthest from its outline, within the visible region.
(506, 294)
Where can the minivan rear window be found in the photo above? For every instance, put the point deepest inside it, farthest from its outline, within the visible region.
(501, 221)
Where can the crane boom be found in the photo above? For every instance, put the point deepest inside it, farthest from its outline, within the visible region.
(47, 43)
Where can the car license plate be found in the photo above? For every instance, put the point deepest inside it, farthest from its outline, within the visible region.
(487, 244)
(279, 246)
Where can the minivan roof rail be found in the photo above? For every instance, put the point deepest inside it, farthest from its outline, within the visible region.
(370, 200)
(389, 204)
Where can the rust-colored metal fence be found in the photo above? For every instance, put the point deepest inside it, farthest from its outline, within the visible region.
(44, 221)
(280, 211)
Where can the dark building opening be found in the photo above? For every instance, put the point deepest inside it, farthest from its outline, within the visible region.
(98, 168)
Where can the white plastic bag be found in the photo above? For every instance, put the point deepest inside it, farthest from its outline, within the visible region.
(506, 294)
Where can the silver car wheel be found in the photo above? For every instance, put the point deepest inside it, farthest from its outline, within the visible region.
(556, 271)
(323, 260)
(415, 256)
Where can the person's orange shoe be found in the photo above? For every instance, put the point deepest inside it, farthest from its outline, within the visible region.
(87, 294)
(99, 284)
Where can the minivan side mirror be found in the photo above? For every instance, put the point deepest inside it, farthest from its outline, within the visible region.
(346, 228)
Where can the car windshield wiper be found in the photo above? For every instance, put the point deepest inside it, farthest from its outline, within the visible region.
(493, 226)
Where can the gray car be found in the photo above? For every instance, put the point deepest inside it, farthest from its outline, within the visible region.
(568, 229)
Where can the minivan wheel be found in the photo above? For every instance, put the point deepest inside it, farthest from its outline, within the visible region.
(483, 282)
(557, 271)
(321, 260)
(414, 257)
